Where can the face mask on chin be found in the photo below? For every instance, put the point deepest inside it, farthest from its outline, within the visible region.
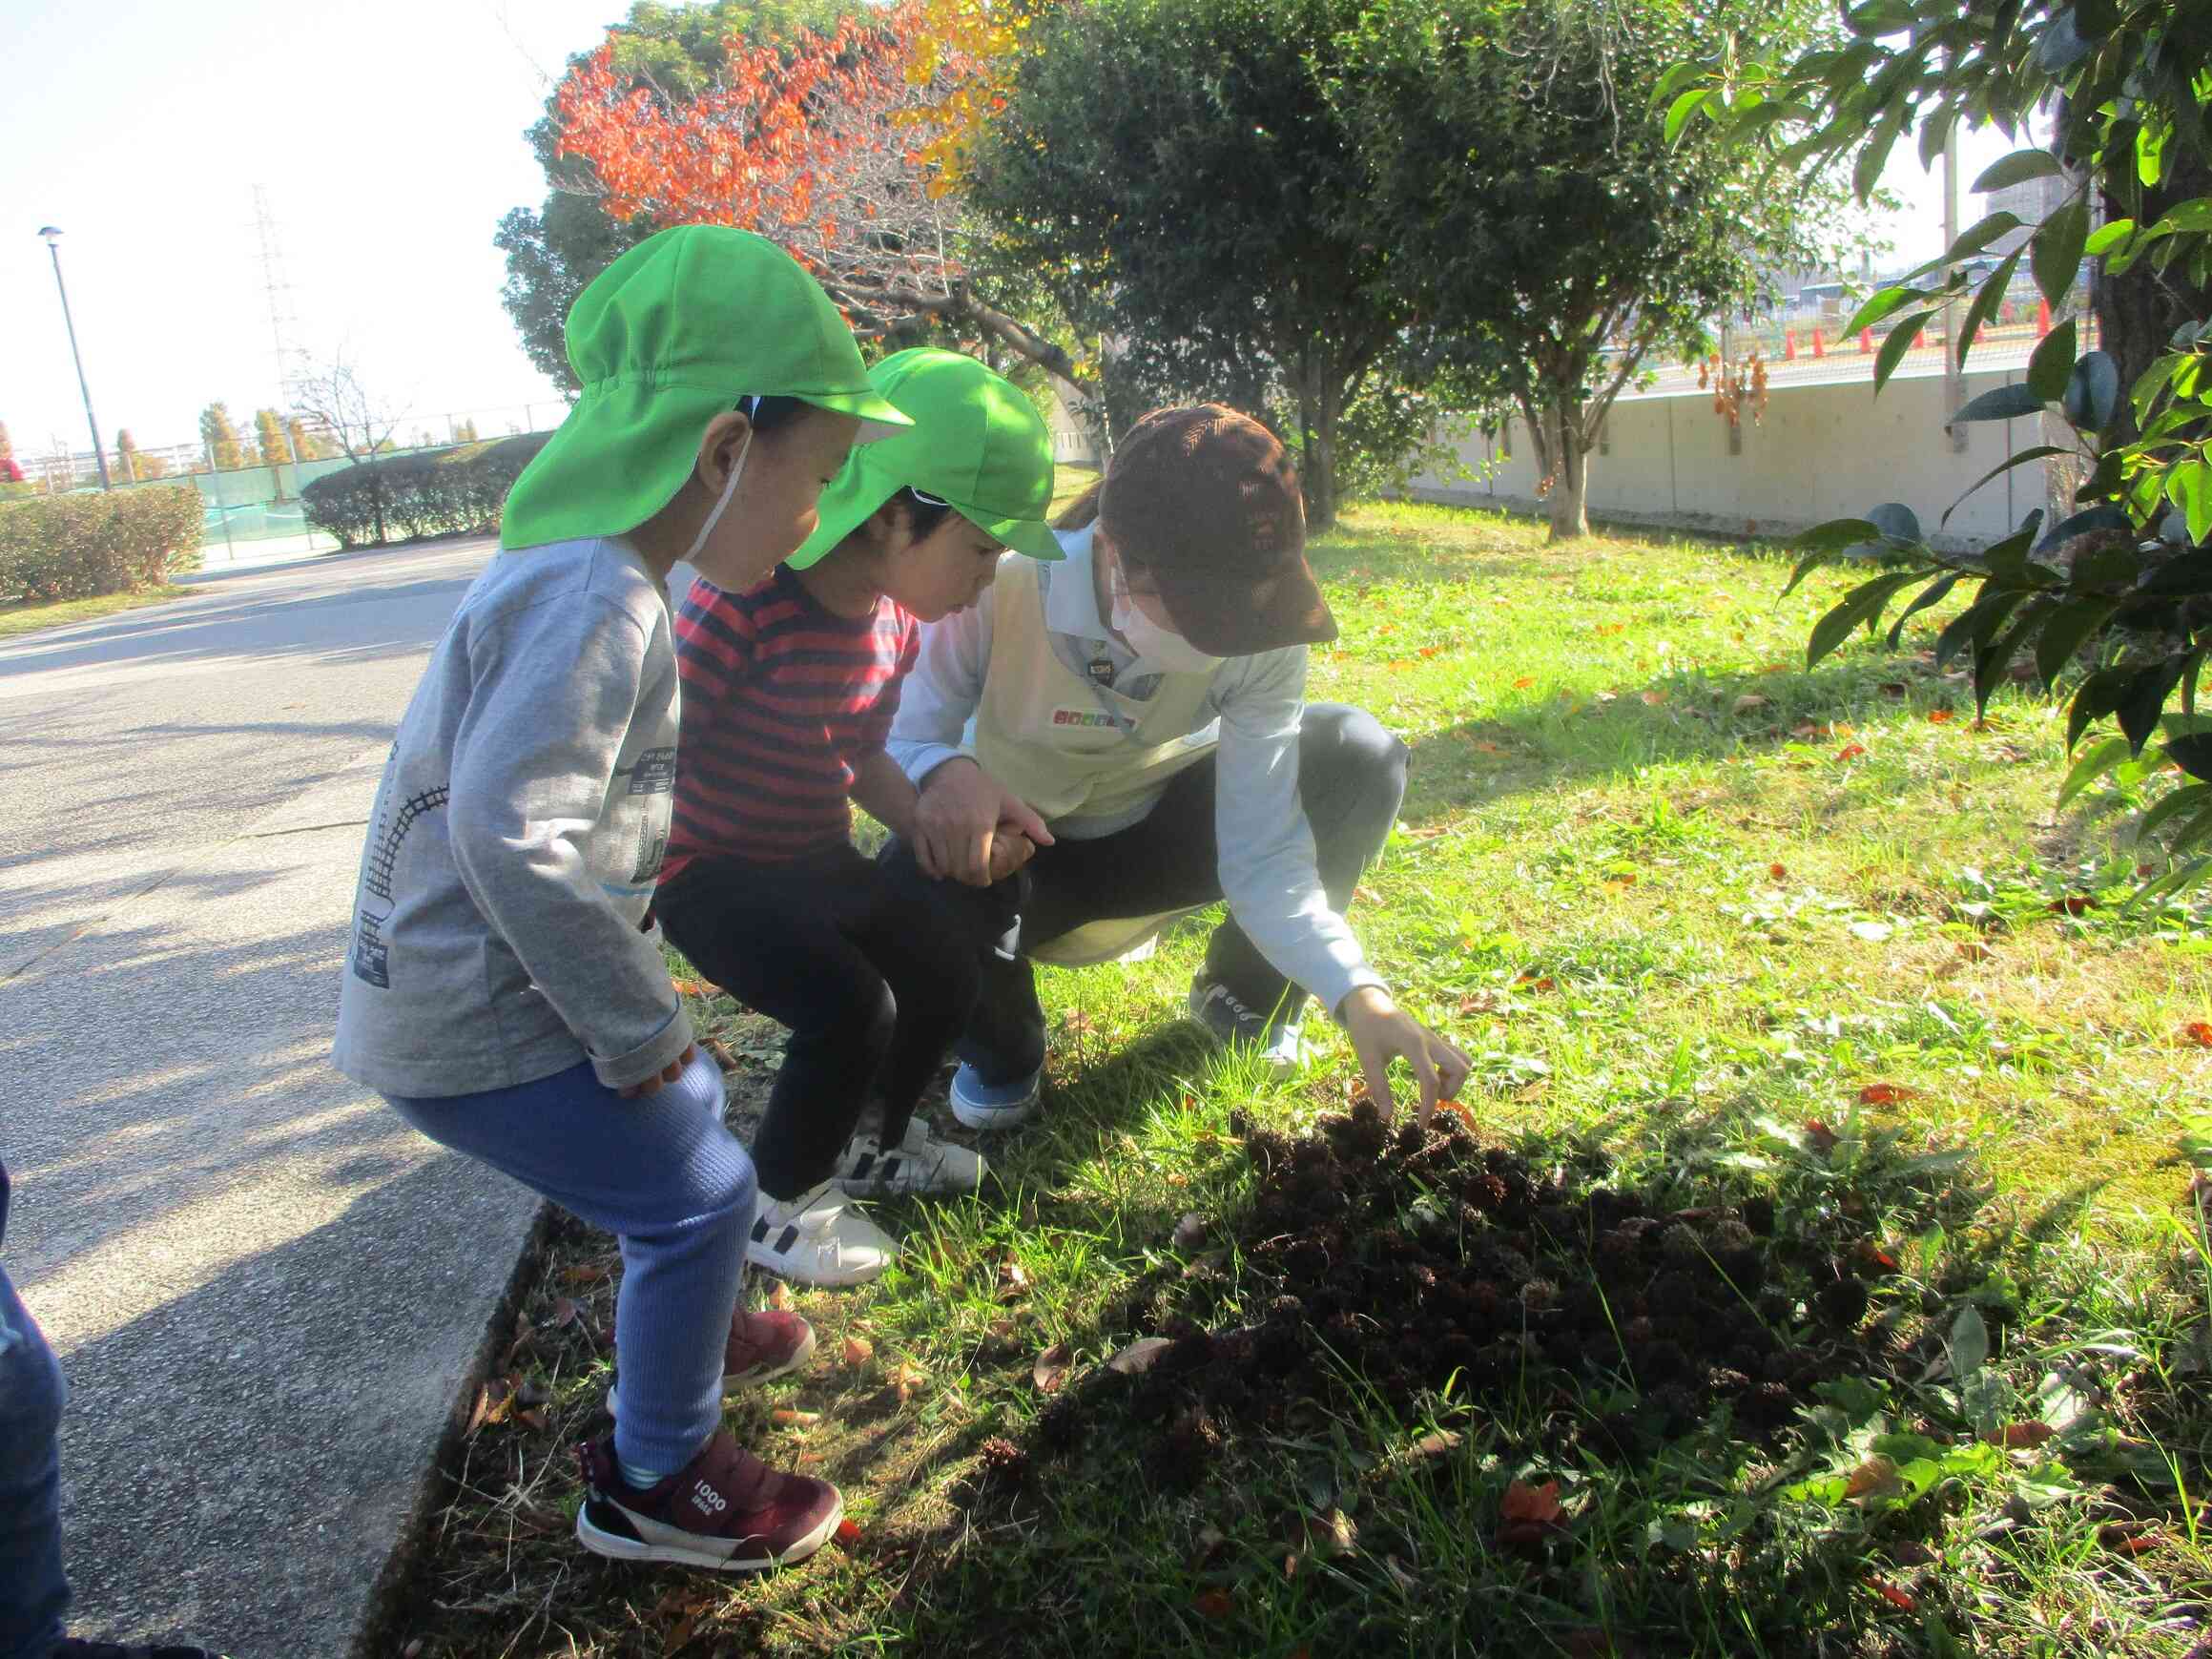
(1160, 646)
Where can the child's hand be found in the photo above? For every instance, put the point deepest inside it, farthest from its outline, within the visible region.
(669, 1074)
(1010, 850)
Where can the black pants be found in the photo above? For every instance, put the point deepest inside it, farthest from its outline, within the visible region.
(860, 970)
(1351, 776)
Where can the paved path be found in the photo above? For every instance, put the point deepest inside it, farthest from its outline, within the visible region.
(263, 1287)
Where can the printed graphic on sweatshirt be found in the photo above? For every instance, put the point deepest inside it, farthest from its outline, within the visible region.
(371, 955)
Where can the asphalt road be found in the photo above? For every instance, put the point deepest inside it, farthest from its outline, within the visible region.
(263, 1287)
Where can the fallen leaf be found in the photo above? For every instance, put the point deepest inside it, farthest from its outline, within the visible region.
(1850, 751)
(1804, 729)
(719, 1053)
(1484, 746)
(1429, 649)
(1077, 1023)
(848, 1533)
(1003, 1329)
(1895, 688)
(534, 1420)
(564, 1312)
(1621, 883)
(1973, 950)
(693, 987)
(584, 1272)
(2129, 1537)
(1875, 1477)
(1886, 1093)
(1139, 1355)
(780, 1296)
(908, 1380)
(1749, 703)
(792, 1417)
(1524, 683)
(1890, 1593)
(1651, 699)
(1013, 1280)
(1822, 1137)
(1779, 872)
(858, 1351)
(2073, 906)
(1213, 1604)
(1525, 1503)
(2021, 1437)
(2199, 1032)
(1873, 1255)
(1190, 1230)
(1938, 717)
(1052, 1368)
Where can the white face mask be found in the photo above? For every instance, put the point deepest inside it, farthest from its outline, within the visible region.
(1153, 643)
(729, 490)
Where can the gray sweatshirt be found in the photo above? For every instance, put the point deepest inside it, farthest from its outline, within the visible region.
(517, 833)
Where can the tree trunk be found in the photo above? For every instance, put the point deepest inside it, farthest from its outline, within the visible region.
(1570, 471)
(1320, 462)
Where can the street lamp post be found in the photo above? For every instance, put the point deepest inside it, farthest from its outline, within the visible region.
(52, 237)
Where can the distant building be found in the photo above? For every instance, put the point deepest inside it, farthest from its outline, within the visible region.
(2029, 202)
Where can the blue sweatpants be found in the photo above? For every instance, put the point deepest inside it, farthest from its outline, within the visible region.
(673, 1185)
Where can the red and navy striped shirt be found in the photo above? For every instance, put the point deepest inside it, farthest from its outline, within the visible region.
(780, 697)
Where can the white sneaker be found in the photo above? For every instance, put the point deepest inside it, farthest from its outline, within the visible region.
(918, 1166)
(818, 1240)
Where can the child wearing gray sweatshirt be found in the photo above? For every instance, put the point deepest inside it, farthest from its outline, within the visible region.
(499, 992)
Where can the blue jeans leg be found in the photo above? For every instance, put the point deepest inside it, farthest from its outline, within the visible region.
(33, 1591)
(669, 1181)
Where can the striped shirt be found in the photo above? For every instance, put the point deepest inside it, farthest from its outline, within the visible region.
(780, 697)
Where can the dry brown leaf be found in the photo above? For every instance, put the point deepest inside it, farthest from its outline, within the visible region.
(1823, 1139)
(1890, 1593)
(1850, 751)
(1525, 1503)
(1749, 703)
(1213, 1604)
(2199, 1032)
(1886, 1093)
(1651, 699)
(1139, 1355)
(793, 1418)
(1003, 1329)
(848, 1533)
(780, 1296)
(693, 987)
(908, 1380)
(1875, 1477)
(584, 1272)
(2021, 1437)
(1522, 683)
(856, 1351)
(1052, 1366)
(1779, 872)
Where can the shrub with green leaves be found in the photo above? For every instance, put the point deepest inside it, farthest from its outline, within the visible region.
(435, 493)
(2115, 599)
(83, 545)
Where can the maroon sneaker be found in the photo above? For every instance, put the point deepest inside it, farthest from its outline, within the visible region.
(725, 1510)
(763, 1345)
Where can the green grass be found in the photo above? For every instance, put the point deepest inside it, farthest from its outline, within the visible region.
(1679, 899)
(30, 616)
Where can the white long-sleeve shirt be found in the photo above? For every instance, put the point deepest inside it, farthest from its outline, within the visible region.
(1268, 872)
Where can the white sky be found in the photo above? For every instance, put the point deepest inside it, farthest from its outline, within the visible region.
(390, 137)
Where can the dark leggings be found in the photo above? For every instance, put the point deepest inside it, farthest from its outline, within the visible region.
(862, 971)
(1351, 776)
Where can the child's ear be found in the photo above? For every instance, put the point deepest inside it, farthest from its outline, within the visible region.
(723, 441)
(886, 523)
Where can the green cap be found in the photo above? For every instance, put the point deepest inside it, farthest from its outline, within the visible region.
(975, 441)
(673, 333)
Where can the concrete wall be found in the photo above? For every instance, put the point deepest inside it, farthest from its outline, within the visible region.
(1820, 451)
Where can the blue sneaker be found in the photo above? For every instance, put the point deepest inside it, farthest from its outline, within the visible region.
(981, 1105)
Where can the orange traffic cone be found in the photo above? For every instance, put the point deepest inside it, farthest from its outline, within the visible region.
(2042, 318)
(1789, 343)
(1866, 341)
(1819, 348)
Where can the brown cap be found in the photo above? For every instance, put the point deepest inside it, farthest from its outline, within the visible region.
(1206, 500)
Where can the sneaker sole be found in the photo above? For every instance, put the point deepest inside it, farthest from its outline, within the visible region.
(733, 1380)
(987, 1117)
(617, 1547)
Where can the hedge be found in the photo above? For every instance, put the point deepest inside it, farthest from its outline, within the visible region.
(432, 494)
(82, 545)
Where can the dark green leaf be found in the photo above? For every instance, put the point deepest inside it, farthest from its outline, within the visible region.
(2092, 392)
(2091, 767)
(2193, 754)
(1971, 628)
(1990, 665)
(1838, 533)
(2040, 452)
(1875, 151)
(2003, 403)
(2097, 696)
(2052, 365)
(1900, 341)
(2062, 635)
(1861, 605)
(2017, 168)
(1986, 300)
(2095, 518)
(2063, 45)
(2103, 569)
(2179, 578)
(2139, 706)
(1934, 593)
(2057, 250)
(2189, 798)
(1877, 307)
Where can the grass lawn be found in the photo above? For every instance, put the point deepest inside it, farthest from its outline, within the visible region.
(30, 616)
(1809, 947)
